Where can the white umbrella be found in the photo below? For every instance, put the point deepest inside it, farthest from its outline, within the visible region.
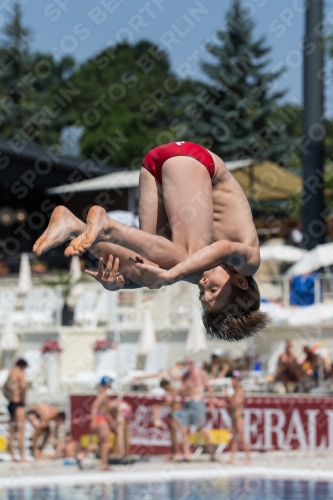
(24, 280)
(9, 340)
(75, 269)
(281, 253)
(147, 336)
(321, 256)
(196, 338)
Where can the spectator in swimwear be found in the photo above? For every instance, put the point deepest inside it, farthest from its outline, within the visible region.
(218, 367)
(122, 414)
(67, 449)
(102, 421)
(175, 403)
(236, 404)
(40, 416)
(313, 364)
(15, 390)
(288, 369)
(194, 412)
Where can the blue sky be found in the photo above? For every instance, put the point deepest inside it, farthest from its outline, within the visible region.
(81, 28)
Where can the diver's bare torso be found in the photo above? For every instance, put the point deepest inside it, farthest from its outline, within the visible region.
(232, 213)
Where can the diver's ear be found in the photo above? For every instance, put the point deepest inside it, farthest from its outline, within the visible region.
(241, 281)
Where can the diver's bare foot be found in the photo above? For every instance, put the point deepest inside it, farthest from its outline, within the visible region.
(247, 461)
(231, 461)
(63, 226)
(98, 228)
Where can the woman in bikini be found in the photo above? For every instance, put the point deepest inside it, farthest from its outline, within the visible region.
(236, 404)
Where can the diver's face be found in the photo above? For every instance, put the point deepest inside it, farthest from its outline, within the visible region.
(215, 288)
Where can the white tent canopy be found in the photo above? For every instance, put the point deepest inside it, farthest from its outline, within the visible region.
(281, 253)
(321, 256)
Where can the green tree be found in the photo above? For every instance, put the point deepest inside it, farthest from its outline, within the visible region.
(128, 102)
(31, 86)
(233, 114)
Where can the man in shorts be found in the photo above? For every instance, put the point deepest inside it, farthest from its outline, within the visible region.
(194, 412)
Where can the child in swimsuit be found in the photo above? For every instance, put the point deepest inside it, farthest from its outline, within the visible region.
(175, 403)
(196, 225)
(102, 421)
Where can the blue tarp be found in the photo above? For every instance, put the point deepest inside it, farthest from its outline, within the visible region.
(302, 290)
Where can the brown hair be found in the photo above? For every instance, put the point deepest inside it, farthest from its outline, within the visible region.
(164, 383)
(21, 363)
(241, 318)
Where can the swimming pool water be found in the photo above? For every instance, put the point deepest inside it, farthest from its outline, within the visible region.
(226, 489)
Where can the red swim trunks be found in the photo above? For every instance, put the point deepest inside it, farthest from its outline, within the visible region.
(154, 160)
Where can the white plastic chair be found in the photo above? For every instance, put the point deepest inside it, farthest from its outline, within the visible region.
(107, 364)
(126, 358)
(85, 309)
(88, 379)
(221, 384)
(156, 361)
(7, 303)
(34, 372)
(85, 379)
(102, 311)
(157, 358)
(46, 311)
(31, 304)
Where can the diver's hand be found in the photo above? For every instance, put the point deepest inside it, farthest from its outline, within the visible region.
(108, 276)
(153, 277)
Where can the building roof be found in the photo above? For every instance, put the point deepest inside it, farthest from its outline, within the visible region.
(16, 159)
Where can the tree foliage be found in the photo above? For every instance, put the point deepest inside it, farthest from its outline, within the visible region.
(30, 84)
(126, 105)
(233, 114)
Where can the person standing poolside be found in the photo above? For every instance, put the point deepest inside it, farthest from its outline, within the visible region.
(15, 390)
(102, 421)
(122, 414)
(194, 384)
(40, 415)
(236, 403)
(175, 403)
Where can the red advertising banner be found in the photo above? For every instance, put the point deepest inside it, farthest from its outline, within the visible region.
(271, 423)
